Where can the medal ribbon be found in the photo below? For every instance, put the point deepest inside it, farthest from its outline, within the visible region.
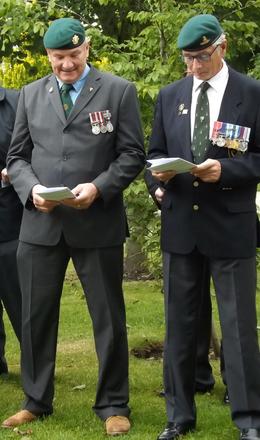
(235, 136)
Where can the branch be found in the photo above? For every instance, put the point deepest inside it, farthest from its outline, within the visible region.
(65, 8)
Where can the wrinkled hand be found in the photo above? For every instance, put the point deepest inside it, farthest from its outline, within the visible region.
(86, 194)
(159, 193)
(164, 176)
(40, 203)
(208, 171)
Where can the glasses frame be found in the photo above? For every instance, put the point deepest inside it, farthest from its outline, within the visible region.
(201, 57)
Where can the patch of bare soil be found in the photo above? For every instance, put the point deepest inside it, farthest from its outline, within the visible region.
(150, 350)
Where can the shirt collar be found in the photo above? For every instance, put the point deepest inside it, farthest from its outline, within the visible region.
(216, 81)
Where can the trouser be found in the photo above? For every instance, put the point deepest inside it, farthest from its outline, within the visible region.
(235, 285)
(10, 294)
(204, 378)
(42, 270)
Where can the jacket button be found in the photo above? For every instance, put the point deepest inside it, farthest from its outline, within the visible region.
(195, 207)
(195, 183)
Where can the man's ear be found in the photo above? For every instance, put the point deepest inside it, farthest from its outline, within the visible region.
(223, 46)
(87, 48)
(48, 54)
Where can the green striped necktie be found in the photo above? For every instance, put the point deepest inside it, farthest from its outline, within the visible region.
(201, 125)
(66, 99)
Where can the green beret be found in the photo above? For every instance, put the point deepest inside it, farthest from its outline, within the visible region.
(199, 32)
(64, 33)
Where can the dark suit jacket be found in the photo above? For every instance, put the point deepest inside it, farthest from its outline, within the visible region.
(220, 218)
(10, 205)
(152, 185)
(50, 150)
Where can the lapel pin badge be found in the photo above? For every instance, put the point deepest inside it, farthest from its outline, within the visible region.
(51, 89)
(182, 110)
(90, 89)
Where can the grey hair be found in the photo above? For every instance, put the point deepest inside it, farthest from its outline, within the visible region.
(220, 40)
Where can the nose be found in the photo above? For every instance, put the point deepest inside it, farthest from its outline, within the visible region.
(67, 63)
(195, 66)
(196, 63)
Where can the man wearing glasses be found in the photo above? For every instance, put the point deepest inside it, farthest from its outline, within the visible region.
(209, 220)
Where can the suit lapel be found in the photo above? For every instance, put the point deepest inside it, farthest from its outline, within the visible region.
(91, 86)
(229, 109)
(232, 99)
(2, 94)
(184, 100)
(54, 97)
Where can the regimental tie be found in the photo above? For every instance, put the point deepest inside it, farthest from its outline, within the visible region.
(66, 99)
(200, 141)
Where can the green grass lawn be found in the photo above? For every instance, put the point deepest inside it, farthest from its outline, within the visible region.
(76, 366)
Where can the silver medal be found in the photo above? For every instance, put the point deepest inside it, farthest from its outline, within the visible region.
(107, 114)
(242, 146)
(95, 129)
(103, 128)
(220, 142)
(110, 127)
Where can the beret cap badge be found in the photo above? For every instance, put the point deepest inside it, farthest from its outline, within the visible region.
(204, 41)
(75, 39)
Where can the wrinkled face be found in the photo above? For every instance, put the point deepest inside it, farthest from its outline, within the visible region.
(204, 64)
(69, 64)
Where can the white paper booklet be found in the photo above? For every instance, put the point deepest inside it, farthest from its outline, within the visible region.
(56, 193)
(170, 163)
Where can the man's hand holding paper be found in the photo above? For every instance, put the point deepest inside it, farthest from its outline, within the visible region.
(85, 194)
(80, 197)
(208, 171)
(39, 202)
(166, 168)
(164, 176)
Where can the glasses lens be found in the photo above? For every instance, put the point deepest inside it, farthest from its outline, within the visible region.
(187, 59)
(201, 58)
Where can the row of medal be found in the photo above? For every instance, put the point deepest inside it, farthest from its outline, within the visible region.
(231, 136)
(100, 122)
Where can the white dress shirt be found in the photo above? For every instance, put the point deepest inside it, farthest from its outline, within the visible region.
(215, 94)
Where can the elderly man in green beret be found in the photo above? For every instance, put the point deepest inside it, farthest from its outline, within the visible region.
(80, 129)
(212, 120)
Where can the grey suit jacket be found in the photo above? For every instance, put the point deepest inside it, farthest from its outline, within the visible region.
(47, 149)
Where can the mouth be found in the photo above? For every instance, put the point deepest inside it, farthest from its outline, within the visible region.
(199, 73)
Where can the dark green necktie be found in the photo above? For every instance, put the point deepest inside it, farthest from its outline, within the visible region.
(66, 99)
(201, 125)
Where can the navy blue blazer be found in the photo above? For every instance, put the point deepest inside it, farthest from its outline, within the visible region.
(10, 205)
(218, 218)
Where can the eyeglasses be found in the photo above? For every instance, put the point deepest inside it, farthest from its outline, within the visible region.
(201, 57)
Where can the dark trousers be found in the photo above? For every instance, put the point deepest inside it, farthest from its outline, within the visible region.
(204, 377)
(235, 285)
(42, 270)
(10, 294)
(3, 363)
